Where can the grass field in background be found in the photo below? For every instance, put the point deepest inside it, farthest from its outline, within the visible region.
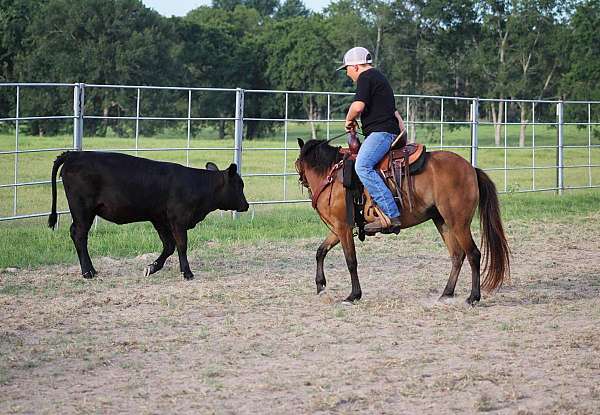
(29, 243)
(34, 167)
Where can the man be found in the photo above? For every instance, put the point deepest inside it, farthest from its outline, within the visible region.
(381, 123)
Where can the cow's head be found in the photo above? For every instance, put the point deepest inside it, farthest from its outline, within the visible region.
(231, 196)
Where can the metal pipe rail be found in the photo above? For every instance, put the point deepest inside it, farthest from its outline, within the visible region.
(444, 113)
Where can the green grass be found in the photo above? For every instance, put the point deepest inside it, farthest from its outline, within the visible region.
(34, 167)
(29, 243)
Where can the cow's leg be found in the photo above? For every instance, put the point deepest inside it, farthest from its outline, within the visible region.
(79, 234)
(166, 236)
(180, 235)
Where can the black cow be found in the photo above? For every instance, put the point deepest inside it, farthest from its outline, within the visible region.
(125, 189)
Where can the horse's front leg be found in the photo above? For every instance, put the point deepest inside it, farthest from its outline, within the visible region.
(347, 240)
(329, 242)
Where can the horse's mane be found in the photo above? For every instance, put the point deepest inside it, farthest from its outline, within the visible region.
(319, 155)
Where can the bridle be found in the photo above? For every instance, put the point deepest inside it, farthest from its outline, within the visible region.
(301, 176)
(300, 171)
(325, 183)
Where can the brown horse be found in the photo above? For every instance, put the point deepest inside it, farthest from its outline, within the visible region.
(447, 190)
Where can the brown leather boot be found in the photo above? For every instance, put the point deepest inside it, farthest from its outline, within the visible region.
(378, 226)
(395, 225)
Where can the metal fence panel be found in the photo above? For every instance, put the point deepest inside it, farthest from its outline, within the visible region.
(525, 145)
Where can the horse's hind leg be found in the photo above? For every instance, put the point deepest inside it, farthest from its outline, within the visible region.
(329, 242)
(457, 256)
(465, 239)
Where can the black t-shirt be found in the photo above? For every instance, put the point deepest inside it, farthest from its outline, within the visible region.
(375, 91)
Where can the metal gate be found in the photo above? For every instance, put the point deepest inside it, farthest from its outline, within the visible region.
(562, 149)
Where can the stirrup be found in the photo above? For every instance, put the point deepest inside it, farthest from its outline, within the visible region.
(384, 222)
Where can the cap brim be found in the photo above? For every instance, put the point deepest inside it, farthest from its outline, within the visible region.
(341, 67)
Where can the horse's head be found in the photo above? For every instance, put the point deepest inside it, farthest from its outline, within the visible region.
(317, 156)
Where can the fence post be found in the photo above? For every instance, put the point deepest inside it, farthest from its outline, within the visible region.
(474, 130)
(78, 101)
(239, 133)
(16, 167)
(560, 162)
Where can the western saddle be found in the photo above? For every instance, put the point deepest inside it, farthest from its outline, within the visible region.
(396, 168)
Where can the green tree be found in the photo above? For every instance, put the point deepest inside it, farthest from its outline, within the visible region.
(300, 57)
(241, 61)
(15, 16)
(98, 41)
(263, 7)
(582, 80)
(291, 8)
(520, 53)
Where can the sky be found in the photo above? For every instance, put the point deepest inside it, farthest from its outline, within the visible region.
(169, 8)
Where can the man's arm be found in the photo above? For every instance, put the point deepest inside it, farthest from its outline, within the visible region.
(400, 121)
(354, 112)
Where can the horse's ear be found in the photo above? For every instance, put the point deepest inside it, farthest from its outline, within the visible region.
(211, 166)
(301, 143)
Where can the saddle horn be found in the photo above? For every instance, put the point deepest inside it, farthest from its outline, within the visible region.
(353, 142)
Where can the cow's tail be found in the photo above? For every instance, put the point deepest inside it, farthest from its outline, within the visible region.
(495, 246)
(60, 160)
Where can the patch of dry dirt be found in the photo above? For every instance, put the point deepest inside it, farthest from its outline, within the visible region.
(249, 334)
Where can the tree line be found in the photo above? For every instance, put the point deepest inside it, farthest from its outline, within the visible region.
(535, 49)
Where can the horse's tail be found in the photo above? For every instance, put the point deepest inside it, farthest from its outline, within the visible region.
(496, 266)
(60, 160)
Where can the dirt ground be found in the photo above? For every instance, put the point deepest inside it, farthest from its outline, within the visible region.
(250, 335)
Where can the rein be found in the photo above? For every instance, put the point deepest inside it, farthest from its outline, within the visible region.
(328, 180)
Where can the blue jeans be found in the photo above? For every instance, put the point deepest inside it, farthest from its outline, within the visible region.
(376, 145)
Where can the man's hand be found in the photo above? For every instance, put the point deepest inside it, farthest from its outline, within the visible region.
(350, 125)
(356, 108)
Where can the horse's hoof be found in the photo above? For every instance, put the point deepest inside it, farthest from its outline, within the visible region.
(472, 301)
(351, 300)
(188, 277)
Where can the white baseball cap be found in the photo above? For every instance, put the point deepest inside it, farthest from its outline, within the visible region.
(356, 56)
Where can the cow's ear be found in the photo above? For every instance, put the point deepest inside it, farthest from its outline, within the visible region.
(232, 169)
(211, 166)
(301, 143)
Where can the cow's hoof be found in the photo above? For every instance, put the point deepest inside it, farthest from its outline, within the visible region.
(89, 275)
(188, 277)
(151, 269)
